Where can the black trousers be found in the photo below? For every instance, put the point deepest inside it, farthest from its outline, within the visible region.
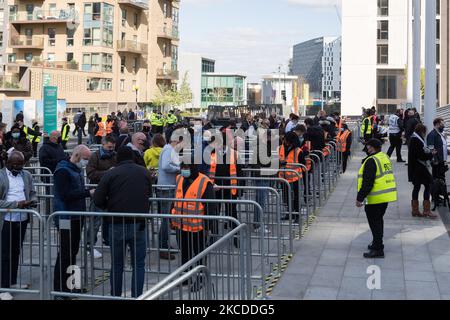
(344, 157)
(64, 145)
(375, 214)
(69, 245)
(35, 147)
(13, 234)
(295, 202)
(191, 244)
(230, 209)
(439, 171)
(396, 144)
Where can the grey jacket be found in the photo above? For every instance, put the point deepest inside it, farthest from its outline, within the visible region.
(30, 192)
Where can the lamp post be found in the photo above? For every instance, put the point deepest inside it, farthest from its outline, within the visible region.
(136, 90)
(430, 63)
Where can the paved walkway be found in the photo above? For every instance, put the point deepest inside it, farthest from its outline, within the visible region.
(328, 263)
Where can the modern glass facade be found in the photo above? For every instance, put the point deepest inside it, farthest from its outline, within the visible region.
(226, 90)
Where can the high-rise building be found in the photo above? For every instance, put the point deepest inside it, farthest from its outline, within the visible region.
(281, 89)
(102, 56)
(318, 63)
(375, 54)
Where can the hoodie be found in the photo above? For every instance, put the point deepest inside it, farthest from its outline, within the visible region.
(151, 157)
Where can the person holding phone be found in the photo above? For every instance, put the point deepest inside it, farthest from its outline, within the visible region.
(437, 139)
(17, 192)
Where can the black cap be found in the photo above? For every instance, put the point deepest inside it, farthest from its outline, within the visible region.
(374, 143)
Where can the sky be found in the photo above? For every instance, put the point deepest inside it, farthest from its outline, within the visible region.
(253, 37)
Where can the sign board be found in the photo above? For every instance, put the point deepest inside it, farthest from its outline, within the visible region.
(50, 109)
(46, 79)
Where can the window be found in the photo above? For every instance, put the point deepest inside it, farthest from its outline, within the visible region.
(175, 16)
(106, 84)
(70, 32)
(166, 9)
(96, 11)
(135, 64)
(28, 57)
(93, 84)
(438, 53)
(387, 87)
(136, 20)
(382, 54)
(122, 64)
(92, 36)
(122, 85)
(12, 58)
(30, 9)
(124, 17)
(383, 8)
(383, 30)
(69, 56)
(92, 62)
(107, 62)
(1, 38)
(51, 37)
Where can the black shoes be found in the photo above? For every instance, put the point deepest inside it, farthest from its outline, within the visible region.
(374, 254)
(401, 161)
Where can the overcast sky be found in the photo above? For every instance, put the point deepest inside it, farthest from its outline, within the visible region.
(253, 36)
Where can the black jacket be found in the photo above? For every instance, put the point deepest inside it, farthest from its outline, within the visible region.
(316, 135)
(417, 171)
(223, 170)
(369, 175)
(125, 189)
(98, 167)
(50, 154)
(434, 139)
(410, 126)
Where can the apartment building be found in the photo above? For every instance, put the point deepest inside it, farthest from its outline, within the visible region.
(376, 42)
(318, 63)
(103, 56)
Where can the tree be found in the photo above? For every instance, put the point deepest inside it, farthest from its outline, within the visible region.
(185, 92)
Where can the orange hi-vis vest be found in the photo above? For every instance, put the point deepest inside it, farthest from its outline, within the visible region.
(292, 164)
(101, 130)
(109, 127)
(195, 191)
(233, 169)
(308, 161)
(342, 141)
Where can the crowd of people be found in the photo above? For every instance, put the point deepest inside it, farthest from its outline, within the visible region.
(126, 166)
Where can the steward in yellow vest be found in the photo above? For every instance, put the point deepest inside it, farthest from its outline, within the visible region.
(377, 188)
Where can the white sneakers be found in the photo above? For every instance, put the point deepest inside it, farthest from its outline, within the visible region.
(6, 296)
(97, 254)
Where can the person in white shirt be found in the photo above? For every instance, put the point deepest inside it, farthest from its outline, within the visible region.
(16, 192)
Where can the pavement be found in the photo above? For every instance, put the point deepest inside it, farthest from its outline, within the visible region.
(328, 263)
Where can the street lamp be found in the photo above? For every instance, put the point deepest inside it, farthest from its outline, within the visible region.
(136, 89)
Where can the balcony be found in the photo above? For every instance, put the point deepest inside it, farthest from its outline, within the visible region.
(63, 65)
(13, 83)
(26, 42)
(137, 4)
(40, 16)
(132, 47)
(164, 74)
(168, 33)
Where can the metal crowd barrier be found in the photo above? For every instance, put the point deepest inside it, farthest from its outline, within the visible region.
(94, 275)
(22, 267)
(176, 288)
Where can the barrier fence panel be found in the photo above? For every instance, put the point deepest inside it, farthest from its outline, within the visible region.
(130, 262)
(263, 257)
(176, 289)
(22, 252)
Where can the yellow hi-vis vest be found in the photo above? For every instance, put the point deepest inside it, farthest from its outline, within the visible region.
(369, 126)
(384, 189)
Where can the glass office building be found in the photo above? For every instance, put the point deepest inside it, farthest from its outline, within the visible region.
(223, 89)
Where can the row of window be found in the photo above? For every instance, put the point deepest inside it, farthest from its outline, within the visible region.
(104, 84)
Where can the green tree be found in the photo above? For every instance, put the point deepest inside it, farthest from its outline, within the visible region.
(185, 92)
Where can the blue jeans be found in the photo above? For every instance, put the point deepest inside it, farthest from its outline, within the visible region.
(133, 235)
(261, 197)
(164, 208)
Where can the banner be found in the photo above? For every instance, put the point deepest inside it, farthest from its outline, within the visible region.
(50, 109)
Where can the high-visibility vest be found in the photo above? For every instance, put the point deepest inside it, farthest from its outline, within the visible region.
(385, 188)
(195, 191)
(101, 130)
(339, 125)
(292, 164)
(369, 126)
(31, 137)
(233, 169)
(342, 141)
(65, 132)
(109, 127)
(156, 121)
(171, 119)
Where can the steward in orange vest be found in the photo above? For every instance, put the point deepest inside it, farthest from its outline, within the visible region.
(192, 233)
(101, 132)
(109, 126)
(344, 145)
(290, 155)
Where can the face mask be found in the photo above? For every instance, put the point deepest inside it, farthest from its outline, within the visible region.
(16, 135)
(186, 173)
(82, 164)
(441, 129)
(16, 172)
